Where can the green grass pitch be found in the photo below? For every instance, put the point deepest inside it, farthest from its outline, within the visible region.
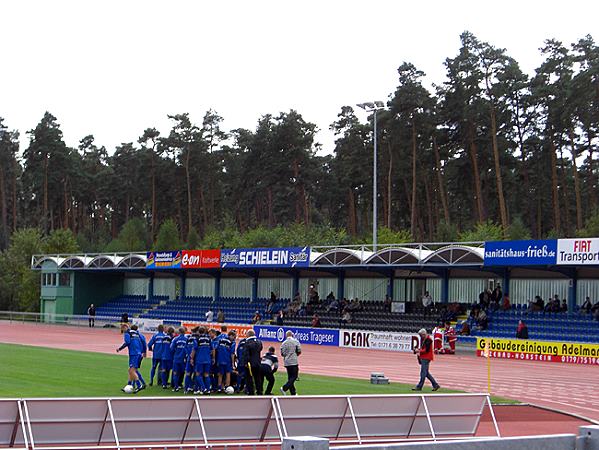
(44, 372)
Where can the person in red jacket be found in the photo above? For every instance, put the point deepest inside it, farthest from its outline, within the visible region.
(451, 337)
(425, 355)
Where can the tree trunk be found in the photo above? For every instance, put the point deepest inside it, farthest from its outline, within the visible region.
(413, 214)
(306, 206)
(429, 208)
(204, 210)
(153, 223)
(298, 202)
(565, 190)
(478, 196)
(65, 222)
(389, 186)
(3, 205)
(577, 195)
(45, 215)
(14, 197)
(188, 180)
(441, 181)
(498, 178)
(554, 191)
(351, 210)
(591, 180)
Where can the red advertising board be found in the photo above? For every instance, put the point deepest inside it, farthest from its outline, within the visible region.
(240, 329)
(200, 259)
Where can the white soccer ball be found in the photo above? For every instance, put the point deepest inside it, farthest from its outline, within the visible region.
(128, 389)
(229, 390)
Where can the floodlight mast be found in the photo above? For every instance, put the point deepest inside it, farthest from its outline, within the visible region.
(374, 107)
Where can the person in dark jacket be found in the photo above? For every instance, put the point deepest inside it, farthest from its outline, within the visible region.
(91, 313)
(522, 330)
(269, 366)
(253, 359)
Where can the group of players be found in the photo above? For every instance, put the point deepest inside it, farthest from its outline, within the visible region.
(201, 362)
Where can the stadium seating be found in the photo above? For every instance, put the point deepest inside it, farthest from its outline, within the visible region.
(236, 309)
(570, 327)
(133, 305)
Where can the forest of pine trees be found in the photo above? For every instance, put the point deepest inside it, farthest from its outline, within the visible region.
(489, 153)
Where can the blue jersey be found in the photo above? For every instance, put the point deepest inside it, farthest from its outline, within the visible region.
(204, 350)
(224, 350)
(178, 347)
(156, 345)
(192, 344)
(135, 342)
(239, 352)
(167, 353)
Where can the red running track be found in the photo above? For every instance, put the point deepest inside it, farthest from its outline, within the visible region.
(570, 388)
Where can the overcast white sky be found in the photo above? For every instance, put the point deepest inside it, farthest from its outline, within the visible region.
(113, 68)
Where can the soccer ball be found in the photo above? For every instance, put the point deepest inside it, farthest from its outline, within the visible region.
(229, 390)
(128, 389)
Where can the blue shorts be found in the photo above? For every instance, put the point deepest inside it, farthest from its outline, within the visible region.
(155, 361)
(135, 361)
(188, 367)
(166, 364)
(225, 368)
(203, 367)
(179, 367)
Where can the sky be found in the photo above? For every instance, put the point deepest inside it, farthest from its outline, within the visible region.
(114, 68)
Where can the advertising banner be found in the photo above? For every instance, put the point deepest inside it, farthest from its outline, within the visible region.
(378, 340)
(266, 257)
(147, 325)
(164, 260)
(578, 251)
(520, 253)
(200, 259)
(529, 350)
(315, 336)
(241, 330)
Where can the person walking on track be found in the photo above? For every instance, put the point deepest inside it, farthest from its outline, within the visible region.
(425, 355)
(290, 350)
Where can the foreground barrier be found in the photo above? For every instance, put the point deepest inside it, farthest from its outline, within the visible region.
(166, 422)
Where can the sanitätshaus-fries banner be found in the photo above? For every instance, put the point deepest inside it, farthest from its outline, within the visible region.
(530, 350)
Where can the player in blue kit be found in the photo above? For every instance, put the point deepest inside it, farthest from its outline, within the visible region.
(136, 346)
(166, 363)
(143, 355)
(225, 355)
(192, 344)
(155, 346)
(178, 347)
(202, 361)
(214, 336)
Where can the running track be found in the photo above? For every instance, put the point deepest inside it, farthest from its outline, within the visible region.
(570, 388)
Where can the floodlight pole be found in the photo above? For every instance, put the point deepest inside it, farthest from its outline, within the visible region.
(374, 107)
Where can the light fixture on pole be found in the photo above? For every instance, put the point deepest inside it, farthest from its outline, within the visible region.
(373, 107)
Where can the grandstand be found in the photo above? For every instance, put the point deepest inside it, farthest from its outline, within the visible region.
(133, 305)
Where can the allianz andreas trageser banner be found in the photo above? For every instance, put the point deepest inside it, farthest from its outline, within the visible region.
(531, 350)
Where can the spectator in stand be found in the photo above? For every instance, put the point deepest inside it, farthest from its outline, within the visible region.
(522, 330)
(506, 303)
(209, 315)
(220, 317)
(330, 297)
(586, 306)
(484, 298)
(271, 303)
(280, 317)
(482, 321)
(465, 331)
(346, 317)
(387, 303)
(354, 305)
(294, 306)
(257, 317)
(333, 306)
(536, 305)
(427, 302)
(496, 298)
(315, 321)
(313, 297)
(564, 307)
(124, 322)
(595, 310)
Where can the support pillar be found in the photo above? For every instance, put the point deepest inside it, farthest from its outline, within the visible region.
(296, 283)
(390, 287)
(182, 284)
(445, 286)
(573, 290)
(341, 285)
(216, 287)
(151, 286)
(505, 284)
(254, 288)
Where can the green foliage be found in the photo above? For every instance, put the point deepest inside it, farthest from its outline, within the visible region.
(591, 227)
(387, 236)
(517, 230)
(486, 231)
(446, 232)
(19, 285)
(132, 237)
(193, 239)
(61, 241)
(168, 236)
